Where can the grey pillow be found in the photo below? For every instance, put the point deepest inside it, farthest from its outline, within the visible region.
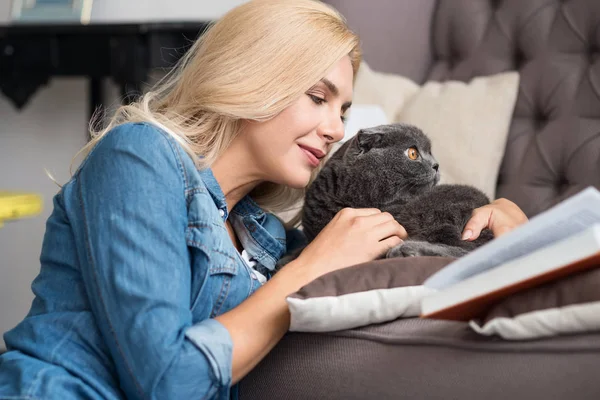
(364, 294)
(566, 306)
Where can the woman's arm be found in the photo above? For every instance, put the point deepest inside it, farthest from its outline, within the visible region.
(129, 220)
(260, 322)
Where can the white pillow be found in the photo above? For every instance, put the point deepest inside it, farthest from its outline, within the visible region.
(362, 116)
(568, 305)
(467, 123)
(364, 294)
(572, 319)
(334, 313)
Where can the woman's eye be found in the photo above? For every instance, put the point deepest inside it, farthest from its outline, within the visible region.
(317, 100)
(412, 153)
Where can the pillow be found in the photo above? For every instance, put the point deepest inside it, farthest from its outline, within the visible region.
(362, 116)
(363, 294)
(569, 305)
(467, 123)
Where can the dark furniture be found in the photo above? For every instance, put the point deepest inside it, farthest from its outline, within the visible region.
(30, 55)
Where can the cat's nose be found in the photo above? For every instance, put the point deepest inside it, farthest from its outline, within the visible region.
(436, 166)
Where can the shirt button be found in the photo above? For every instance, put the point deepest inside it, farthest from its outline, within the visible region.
(222, 213)
(254, 276)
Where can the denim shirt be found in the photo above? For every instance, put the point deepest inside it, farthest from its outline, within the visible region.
(136, 263)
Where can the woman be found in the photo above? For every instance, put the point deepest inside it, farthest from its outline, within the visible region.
(154, 258)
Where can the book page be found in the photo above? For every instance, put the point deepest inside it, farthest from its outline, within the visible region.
(565, 219)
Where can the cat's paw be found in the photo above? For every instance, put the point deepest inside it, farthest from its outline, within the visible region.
(420, 249)
(405, 249)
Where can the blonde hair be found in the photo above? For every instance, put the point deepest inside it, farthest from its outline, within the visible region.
(250, 65)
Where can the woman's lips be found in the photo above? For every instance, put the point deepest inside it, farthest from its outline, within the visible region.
(312, 159)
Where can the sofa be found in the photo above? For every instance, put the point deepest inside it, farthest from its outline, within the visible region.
(552, 152)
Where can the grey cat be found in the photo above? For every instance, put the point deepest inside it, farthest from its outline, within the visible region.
(390, 167)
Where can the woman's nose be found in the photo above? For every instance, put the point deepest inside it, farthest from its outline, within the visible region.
(333, 131)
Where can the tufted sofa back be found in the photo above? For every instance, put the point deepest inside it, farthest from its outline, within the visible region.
(553, 149)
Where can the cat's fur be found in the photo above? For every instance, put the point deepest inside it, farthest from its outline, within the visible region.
(373, 170)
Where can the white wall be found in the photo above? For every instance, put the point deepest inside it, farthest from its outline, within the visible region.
(152, 10)
(4, 11)
(148, 10)
(47, 134)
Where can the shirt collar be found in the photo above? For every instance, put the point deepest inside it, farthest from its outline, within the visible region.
(245, 207)
(214, 188)
(262, 235)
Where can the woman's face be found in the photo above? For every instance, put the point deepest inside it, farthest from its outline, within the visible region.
(287, 148)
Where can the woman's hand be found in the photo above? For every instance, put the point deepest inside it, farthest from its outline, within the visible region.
(501, 216)
(353, 236)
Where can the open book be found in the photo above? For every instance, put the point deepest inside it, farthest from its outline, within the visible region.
(558, 242)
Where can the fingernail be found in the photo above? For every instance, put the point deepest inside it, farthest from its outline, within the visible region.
(467, 235)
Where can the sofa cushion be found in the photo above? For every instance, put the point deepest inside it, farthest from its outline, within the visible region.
(425, 359)
(567, 306)
(553, 147)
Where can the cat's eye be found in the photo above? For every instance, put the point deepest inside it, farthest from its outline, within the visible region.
(412, 153)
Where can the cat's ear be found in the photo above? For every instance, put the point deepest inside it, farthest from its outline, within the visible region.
(367, 140)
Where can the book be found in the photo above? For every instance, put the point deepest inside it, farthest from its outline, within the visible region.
(471, 297)
(565, 219)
